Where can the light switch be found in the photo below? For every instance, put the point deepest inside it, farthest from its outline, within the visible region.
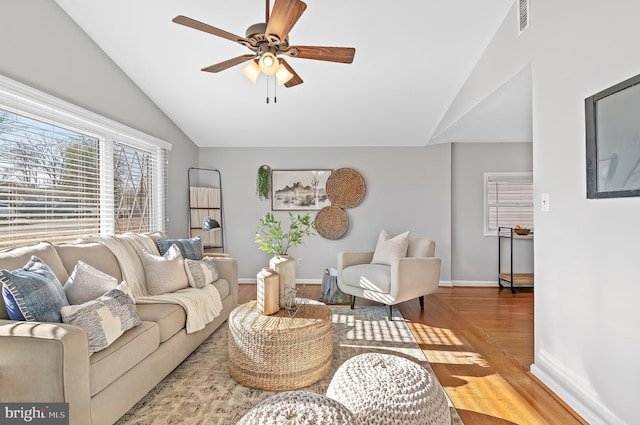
(544, 205)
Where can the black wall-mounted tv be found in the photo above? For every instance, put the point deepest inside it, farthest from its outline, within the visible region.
(612, 119)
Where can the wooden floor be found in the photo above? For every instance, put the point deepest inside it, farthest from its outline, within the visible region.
(479, 342)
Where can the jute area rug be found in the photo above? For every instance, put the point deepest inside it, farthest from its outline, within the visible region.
(200, 390)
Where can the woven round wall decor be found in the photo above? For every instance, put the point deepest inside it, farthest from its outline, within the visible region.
(332, 222)
(345, 188)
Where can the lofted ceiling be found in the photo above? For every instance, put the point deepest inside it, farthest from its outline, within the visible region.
(412, 58)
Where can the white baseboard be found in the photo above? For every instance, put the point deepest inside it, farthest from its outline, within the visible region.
(474, 283)
(587, 405)
(444, 283)
(303, 281)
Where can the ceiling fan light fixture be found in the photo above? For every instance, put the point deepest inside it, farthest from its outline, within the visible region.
(268, 63)
(251, 71)
(283, 75)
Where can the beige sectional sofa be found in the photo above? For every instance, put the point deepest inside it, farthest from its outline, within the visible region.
(49, 362)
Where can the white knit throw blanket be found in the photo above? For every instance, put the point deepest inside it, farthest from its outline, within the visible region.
(202, 306)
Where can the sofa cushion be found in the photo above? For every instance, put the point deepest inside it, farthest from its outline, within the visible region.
(223, 288)
(170, 318)
(390, 249)
(95, 254)
(104, 319)
(189, 248)
(15, 258)
(87, 283)
(36, 290)
(165, 273)
(200, 272)
(372, 277)
(126, 352)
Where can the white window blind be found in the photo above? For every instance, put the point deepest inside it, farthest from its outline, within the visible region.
(49, 182)
(508, 200)
(66, 173)
(135, 209)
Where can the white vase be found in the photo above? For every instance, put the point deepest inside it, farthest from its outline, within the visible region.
(268, 292)
(285, 266)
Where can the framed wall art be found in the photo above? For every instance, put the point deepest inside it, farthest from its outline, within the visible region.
(299, 190)
(613, 141)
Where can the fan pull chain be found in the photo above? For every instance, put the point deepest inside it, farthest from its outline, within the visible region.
(275, 89)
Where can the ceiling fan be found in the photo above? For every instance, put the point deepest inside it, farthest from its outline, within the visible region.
(269, 40)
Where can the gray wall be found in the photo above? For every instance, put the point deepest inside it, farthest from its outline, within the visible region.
(474, 256)
(407, 189)
(43, 48)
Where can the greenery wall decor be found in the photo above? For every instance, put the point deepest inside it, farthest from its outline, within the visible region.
(263, 182)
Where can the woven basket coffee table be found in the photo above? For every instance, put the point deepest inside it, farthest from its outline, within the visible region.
(279, 352)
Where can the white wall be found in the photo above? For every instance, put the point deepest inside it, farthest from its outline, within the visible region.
(407, 189)
(43, 48)
(586, 312)
(586, 255)
(474, 256)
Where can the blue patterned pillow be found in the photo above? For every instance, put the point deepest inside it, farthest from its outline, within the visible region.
(189, 248)
(36, 290)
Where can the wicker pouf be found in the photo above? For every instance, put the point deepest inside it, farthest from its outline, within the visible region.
(298, 408)
(385, 389)
(279, 352)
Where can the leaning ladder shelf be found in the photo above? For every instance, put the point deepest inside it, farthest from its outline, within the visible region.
(205, 200)
(513, 279)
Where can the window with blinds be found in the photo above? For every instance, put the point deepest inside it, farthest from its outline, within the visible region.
(508, 200)
(65, 173)
(49, 181)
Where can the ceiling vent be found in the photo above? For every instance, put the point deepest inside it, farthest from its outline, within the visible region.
(523, 15)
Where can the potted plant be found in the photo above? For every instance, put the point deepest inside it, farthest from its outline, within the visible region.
(272, 238)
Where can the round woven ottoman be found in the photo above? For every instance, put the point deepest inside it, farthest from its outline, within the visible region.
(299, 408)
(279, 352)
(385, 389)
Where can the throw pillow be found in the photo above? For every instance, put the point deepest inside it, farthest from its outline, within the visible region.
(104, 319)
(164, 274)
(189, 248)
(36, 291)
(389, 249)
(87, 283)
(200, 273)
(13, 311)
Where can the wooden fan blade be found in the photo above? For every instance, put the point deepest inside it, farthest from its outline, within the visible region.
(284, 16)
(296, 78)
(228, 63)
(192, 23)
(331, 54)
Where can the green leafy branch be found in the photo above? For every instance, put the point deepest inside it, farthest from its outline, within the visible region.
(273, 239)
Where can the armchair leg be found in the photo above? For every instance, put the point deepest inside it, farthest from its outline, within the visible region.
(389, 311)
(421, 299)
(353, 301)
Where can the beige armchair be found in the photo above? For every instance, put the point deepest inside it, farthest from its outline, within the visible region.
(413, 276)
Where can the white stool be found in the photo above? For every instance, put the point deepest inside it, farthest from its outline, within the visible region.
(382, 389)
(298, 408)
